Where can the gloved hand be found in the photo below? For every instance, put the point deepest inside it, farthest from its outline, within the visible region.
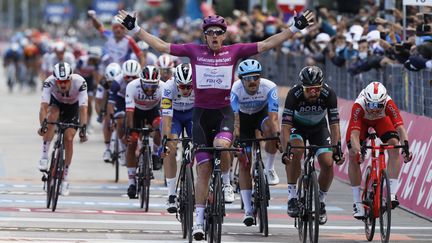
(302, 21)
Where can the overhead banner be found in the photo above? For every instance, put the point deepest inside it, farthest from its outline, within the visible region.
(418, 2)
(58, 12)
(106, 9)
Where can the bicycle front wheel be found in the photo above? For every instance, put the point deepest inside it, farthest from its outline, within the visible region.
(313, 207)
(385, 207)
(190, 202)
(368, 201)
(147, 179)
(301, 220)
(50, 179)
(58, 177)
(217, 211)
(263, 204)
(115, 159)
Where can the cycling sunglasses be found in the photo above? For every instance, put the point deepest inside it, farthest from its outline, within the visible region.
(212, 32)
(165, 70)
(309, 89)
(62, 81)
(251, 78)
(127, 77)
(150, 87)
(185, 86)
(374, 106)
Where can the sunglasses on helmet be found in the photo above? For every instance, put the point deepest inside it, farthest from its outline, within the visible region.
(309, 89)
(213, 32)
(185, 86)
(374, 105)
(250, 78)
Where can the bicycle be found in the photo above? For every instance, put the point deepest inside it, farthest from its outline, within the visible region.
(185, 186)
(145, 173)
(308, 195)
(376, 196)
(53, 177)
(215, 208)
(115, 148)
(261, 192)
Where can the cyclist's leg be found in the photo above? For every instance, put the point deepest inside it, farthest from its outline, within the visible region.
(131, 160)
(120, 128)
(248, 124)
(52, 116)
(354, 172)
(154, 118)
(293, 169)
(170, 164)
(270, 127)
(223, 138)
(201, 136)
(388, 134)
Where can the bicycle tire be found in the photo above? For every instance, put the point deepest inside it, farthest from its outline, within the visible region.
(368, 200)
(49, 185)
(183, 201)
(301, 220)
(140, 182)
(58, 176)
(216, 214)
(115, 159)
(190, 202)
(313, 208)
(263, 200)
(147, 179)
(385, 207)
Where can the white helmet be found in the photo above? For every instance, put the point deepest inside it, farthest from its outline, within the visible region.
(375, 95)
(62, 71)
(143, 46)
(150, 75)
(60, 46)
(131, 68)
(113, 71)
(183, 74)
(165, 61)
(95, 52)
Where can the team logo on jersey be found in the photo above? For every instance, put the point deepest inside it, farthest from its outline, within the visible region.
(47, 85)
(274, 95)
(167, 92)
(166, 103)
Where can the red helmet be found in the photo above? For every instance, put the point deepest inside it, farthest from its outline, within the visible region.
(214, 20)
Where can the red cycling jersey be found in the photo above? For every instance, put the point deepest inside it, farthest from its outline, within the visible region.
(384, 121)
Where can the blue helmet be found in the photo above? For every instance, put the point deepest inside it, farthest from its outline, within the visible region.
(249, 66)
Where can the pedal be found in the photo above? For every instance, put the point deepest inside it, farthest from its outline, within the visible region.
(44, 178)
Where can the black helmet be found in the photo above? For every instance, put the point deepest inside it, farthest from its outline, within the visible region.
(311, 76)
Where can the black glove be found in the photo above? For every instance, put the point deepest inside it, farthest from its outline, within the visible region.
(83, 131)
(406, 153)
(129, 22)
(337, 153)
(301, 22)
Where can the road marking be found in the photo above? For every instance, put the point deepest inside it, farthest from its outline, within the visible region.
(160, 222)
(83, 240)
(151, 205)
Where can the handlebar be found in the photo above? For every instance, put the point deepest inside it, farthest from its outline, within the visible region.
(165, 139)
(238, 142)
(384, 146)
(62, 125)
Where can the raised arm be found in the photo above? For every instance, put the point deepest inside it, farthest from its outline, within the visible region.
(300, 23)
(129, 22)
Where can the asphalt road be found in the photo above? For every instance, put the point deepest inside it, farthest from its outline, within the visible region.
(98, 210)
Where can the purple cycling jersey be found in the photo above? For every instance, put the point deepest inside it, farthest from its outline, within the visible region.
(213, 73)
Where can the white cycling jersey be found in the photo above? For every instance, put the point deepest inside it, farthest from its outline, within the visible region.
(76, 93)
(173, 100)
(135, 96)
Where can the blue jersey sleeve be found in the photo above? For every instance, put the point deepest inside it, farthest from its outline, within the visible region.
(115, 87)
(234, 102)
(273, 100)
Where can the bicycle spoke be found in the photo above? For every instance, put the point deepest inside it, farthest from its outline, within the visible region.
(385, 207)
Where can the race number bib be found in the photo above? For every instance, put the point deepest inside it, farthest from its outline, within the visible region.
(213, 77)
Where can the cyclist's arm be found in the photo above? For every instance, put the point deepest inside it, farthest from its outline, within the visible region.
(154, 41)
(235, 108)
(83, 102)
(273, 109)
(274, 40)
(403, 135)
(335, 133)
(167, 113)
(333, 117)
(43, 112)
(138, 53)
(97, 24)
(393, 112)
(130, 105)
(355, 142)
(46, 98)
(357, 114)
(115, 87)
(288, 118)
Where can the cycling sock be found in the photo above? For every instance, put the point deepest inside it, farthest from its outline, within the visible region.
(226, 178)
(292, 191)
(199, 209)
(322, 196)
(171, 184)
(356, 193)
(45, 149)
(393, 186)
(131, 175)
(270, 161)
(107, 145)
(246, 196)
(66, 173)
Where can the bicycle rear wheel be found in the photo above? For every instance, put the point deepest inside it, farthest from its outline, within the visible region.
(147, 179)
(58, 177)
(368, 200)
(313, 207)
(263, 200)
(183, 201)
(115, 159)
(385, 207)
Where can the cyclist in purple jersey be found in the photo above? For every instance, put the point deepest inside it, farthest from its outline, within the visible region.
(213, 74)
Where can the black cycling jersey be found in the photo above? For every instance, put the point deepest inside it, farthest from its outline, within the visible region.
(300, 113)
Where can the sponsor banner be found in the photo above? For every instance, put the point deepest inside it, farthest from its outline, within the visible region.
(415, 178)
